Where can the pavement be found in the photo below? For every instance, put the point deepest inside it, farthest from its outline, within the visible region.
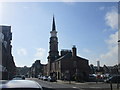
(81, 83)
(91, 85)
(69, 82)
(66, 85)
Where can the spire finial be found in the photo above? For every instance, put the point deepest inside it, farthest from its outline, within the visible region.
(53, 24)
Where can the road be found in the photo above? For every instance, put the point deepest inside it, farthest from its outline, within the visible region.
(61, 85)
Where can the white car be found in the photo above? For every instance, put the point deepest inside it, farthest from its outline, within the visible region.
(52, 79)
(21, 85)
(45, 78)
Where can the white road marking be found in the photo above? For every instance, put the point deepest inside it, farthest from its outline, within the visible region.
(74, 87)
(94, 87)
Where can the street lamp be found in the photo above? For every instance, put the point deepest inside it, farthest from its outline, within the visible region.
(118, 56)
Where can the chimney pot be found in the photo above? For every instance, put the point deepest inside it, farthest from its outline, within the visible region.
(74, 50)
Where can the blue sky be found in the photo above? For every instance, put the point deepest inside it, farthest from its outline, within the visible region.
(91, 26)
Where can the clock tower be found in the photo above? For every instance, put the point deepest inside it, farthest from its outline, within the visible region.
(53, 46)
(53, 53)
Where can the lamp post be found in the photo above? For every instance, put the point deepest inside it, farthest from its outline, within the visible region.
(118, 56)
(118, 62)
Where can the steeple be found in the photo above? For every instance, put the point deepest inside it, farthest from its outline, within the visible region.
(53, 32)
(53, 24)
(53, 47)
(53, 53)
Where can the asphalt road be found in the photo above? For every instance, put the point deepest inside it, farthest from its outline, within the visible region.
(60, 85)
(53, 85)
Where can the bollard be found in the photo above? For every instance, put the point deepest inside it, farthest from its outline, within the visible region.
(111, 85)
(69, 82)
(117, 84)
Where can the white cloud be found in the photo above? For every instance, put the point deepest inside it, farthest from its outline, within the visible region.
(111, 18)
(113, 39)
(111, 56)
(22, 51)
(40, 54)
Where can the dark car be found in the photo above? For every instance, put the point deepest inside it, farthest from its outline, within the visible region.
(92, 78)
(52, 79)
(19, 77)
(21, 85)
(113, 79)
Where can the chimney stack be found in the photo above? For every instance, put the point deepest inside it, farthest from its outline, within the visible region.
(98, 65)
(74, 51)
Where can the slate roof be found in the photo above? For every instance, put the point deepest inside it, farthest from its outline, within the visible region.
(69, 55)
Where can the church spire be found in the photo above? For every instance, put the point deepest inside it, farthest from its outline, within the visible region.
(53, 53)
(53, 24)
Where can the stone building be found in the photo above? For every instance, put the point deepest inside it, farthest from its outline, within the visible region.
(6, 58)
(67, 65)
(44, 69)
(70, 66)
(36, 69)
(23, 71)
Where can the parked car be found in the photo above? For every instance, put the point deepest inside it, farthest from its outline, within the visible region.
(52, 79)
(3, 72)
(39, 76)
(19, 77)
(113, 79)
(92, 78)
(21, 85)
(45, 78)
